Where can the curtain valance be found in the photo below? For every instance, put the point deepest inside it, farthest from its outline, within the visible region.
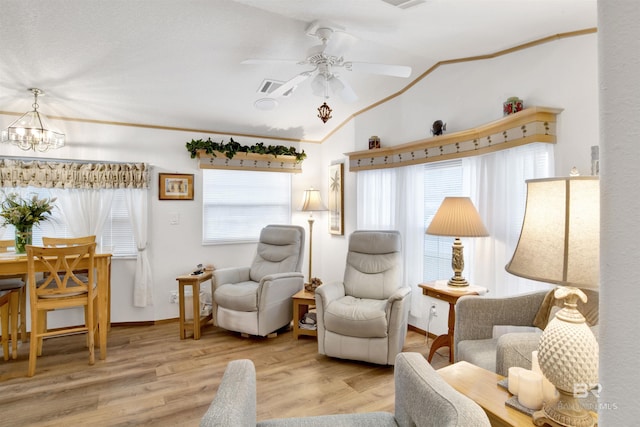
(87, 175)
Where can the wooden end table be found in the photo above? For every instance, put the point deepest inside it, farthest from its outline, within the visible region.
(440, 290)
(482, 387)
(198, 321)
(303, 301)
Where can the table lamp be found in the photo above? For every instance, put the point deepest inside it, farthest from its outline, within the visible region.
(559, 243)
(457, 217)
(311, 202)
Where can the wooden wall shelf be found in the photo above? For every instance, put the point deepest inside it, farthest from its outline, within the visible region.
(249, 161)
(533, 124)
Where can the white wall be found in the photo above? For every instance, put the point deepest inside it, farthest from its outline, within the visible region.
(560, 74)
(619, 340)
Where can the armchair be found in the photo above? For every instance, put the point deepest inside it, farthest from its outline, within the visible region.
(476, 319)
(422, 399)
(364, 317)
(256, 300)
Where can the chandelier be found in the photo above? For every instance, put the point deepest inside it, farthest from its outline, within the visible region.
(30, 131)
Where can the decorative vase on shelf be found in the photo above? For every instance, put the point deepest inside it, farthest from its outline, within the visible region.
(24, 237)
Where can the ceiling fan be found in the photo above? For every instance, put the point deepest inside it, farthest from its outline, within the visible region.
(326, 63)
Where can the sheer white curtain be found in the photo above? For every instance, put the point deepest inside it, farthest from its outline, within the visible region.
(137, 204)
(85, 211)
(393, 199)
(496, 184)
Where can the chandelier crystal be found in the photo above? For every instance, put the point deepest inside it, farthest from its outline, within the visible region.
(30, 131)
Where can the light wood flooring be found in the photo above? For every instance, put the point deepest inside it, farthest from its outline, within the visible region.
(151, 377)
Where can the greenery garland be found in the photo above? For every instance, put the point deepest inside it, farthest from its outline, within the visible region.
(232, 147)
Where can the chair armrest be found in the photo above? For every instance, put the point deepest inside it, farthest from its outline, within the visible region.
(277, 287)
(235, 401)
(329, 292)
(399, 294)
(514, 349)
(230, 275)
(476, 316)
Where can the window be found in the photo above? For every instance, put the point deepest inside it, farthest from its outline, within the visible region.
(440, 180)
(117, 233)
(238, 204)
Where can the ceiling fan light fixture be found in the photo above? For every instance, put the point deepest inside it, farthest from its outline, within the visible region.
(324, 112)
(30, 131)
(318, 85)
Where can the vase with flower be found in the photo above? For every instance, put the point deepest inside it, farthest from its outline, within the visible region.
(23, 214)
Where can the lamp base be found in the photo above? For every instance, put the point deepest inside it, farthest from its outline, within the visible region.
(566, 412)
(458, 281)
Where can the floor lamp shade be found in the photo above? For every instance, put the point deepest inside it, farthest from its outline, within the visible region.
(311, 202)
(457, 217)
(559, 243)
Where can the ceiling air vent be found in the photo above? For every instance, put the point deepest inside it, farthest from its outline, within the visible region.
(267, 86)
(404, 4)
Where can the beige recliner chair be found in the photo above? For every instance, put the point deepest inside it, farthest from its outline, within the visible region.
(364, 317)
(256, 300)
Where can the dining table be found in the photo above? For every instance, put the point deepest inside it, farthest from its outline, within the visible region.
(12, 263)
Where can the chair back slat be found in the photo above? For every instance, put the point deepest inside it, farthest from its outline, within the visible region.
(60, 265)
(67, 241)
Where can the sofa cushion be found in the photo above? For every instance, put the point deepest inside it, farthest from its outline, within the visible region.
(242, 296)
(479, 352)
(357, 317)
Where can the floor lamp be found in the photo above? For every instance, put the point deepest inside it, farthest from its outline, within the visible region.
(560, 244)
(457, 217)
(311, 202)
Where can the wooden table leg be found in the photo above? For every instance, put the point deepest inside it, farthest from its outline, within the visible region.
(447, 339)
(182, 310)
(103, 266)
(195, 286)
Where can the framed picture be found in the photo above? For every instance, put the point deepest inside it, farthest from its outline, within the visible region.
(176, 186)
(336, 199)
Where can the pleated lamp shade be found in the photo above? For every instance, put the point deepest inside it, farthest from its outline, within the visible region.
(457, 217)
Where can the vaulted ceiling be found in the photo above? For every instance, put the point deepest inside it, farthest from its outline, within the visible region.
(179, 63)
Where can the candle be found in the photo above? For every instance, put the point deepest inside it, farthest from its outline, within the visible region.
(514, 375)
(530, 389)
(535, 366)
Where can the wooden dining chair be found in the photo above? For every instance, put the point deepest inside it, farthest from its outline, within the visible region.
(61, 288)
(5, 302)
(18, 308)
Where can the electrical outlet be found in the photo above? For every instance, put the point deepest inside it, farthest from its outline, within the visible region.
(173, 297)
(434, 311)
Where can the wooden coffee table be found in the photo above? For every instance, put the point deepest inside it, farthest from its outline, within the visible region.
(482, 387)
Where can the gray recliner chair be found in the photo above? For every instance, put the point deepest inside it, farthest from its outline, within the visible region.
(256, 300)
(476, 319)
(364, 317)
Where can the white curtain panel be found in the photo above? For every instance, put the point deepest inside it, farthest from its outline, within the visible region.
(138, 206)
(85, 211)
(393, 198)
(496, 184)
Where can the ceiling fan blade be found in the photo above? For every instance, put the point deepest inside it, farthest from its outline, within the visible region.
(342, 88)
(254, 61)
(290, 84)
(384, 69)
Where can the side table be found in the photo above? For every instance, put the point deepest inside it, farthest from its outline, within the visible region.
(303, 301)
(440, 290)
(198, 321)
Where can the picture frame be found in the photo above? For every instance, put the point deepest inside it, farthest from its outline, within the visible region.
(175, 186)
(336, 199)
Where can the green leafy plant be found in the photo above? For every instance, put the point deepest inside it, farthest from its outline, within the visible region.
(23, 213)
(231, 148)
